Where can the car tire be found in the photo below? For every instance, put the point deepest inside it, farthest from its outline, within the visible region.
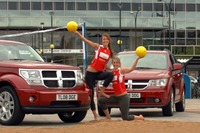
(72, 117)
(168, 110)
(180, 106)
(11, 112)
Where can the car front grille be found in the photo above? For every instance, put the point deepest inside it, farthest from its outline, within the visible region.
(58, 78)
(136, 84)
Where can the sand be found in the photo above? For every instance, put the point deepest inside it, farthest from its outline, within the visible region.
(113, 126)
(116, 125)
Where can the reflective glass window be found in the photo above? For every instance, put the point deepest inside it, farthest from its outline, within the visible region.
(25, 5)
(114, 6)
(180, 7)
(181, 34)
(198, 7)
(126, 6)
(190, 7)
(12, 5)
(180, 41)
(103, 6)
(191, 42)
(47, 6)
(191, 34)
(59, 5)
(35, 5)
(70, 6)
(135, 6)
(81, 6)
(158, 6)
(3, 5)
(147, 6)
(198, 33)
(92, 6)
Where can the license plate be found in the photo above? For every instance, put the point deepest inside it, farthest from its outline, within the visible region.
(134, 95)
(66, 97)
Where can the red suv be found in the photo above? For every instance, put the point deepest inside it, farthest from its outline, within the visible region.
(157, 82)
(28, 85)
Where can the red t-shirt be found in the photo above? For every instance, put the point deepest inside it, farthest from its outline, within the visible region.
(102, 56)
(118, 82)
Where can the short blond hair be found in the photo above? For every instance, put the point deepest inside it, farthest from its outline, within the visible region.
(117, 58)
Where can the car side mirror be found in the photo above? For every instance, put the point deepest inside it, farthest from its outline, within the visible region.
(177, 66)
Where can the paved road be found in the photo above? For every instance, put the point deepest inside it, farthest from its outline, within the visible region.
(192, 113)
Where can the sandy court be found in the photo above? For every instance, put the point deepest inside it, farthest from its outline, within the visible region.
(175, 124)
(114, 126)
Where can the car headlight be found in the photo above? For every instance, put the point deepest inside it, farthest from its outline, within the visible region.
(158, 82)
(32, 77)
(79, 76)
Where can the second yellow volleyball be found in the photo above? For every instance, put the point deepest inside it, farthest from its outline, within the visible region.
(141, 51)
(72, 26)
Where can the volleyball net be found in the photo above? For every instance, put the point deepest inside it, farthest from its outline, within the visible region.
(70, 53)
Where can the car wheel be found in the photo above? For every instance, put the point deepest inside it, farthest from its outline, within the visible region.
(72, 117)
(180, 106)
(168, 110)
(100, 111)
(10, 108)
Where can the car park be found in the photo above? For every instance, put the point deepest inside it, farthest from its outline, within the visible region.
(157, 82)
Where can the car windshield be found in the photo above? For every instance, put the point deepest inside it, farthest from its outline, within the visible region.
(150, 61)
(18, 52)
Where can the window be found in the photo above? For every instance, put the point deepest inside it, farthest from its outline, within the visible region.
(92, 6)
(181, 34)
(12, 5)
(198, 7)
(198, 33)
(180, 7)
(191, 34)
(70, 6)
(103, 6)
(3, 5)
(190, 42)
(126, 6)
(190, 7)
(135, 6)
(180, 41)
(59, 5)
(114, 7)
(81, 6)
(35, 5)
(25, 5)
(147, 6)
(47, 6)
(158, 7)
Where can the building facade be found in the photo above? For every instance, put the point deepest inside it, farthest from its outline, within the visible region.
(155, 24)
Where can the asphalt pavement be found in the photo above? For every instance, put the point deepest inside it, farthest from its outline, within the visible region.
(191, 113)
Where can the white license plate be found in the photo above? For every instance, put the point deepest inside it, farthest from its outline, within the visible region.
(134, 95)
(66, 97)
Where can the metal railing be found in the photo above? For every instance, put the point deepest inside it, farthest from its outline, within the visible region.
(179, 50)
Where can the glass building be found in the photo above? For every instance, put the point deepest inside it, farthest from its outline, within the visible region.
(155, 24)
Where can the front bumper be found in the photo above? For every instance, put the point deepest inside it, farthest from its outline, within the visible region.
(45, 100)
(153, 98)
(52, 110)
